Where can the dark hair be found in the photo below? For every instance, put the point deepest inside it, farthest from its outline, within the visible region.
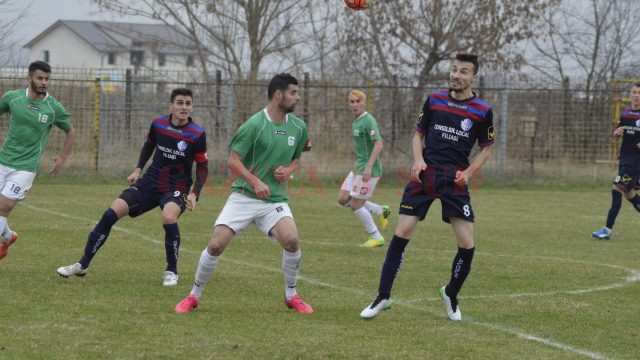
(181, 91)
(280, 82)
(472, 58)
(39, 65)
(636, 84)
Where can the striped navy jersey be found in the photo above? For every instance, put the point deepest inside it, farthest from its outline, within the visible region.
(630, 123)
(451, 128)
(176, 148)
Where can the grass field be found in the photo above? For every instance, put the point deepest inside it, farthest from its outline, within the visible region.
(540, 286)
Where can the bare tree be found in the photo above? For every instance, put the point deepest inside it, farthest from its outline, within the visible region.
(592, 43)
(412, 38)
(236, 35)
(10, 17)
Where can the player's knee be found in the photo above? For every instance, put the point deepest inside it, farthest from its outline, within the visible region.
(290, 243)
(169, 219)
(214, 248)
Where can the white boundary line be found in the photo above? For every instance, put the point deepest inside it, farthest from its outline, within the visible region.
(635, 276)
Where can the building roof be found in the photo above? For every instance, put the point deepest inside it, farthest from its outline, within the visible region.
(113, 36)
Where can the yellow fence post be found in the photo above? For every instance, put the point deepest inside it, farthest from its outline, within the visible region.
(96, 124)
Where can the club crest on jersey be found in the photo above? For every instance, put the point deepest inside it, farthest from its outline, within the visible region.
(280, 132)
(466, 125)
(182, 145)
(637, 123)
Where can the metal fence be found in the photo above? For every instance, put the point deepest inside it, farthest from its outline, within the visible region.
(550, 135)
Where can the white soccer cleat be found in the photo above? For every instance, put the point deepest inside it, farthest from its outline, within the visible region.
(454, 315)
(170, 279)
(374, 308)
(75, 269)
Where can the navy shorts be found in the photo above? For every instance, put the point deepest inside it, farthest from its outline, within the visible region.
(628, 176)
(141, 200)
(437, 183)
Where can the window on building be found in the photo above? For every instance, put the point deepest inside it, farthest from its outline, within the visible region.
(137, 57)
(111, 58)
(190, 60)
(162, 59)
(45, 56)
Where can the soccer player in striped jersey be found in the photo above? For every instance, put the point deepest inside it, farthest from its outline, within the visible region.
(176, 142)
(32, 114)
(263, 154)
(450, 123)
(359, 185)
(626, 183)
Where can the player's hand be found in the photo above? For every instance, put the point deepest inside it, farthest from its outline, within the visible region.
(192, 200)
(366, 175)
(262, 190)
(462, 178)
(416, 168)
(135, 175)
(282, 173)
(638, 146)
(56, 168)
(618, 131)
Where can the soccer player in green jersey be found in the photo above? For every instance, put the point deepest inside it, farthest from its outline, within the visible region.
(361, 182)
(32, 113)
(263, 154)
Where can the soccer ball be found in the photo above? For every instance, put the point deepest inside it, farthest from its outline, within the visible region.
(358, 4)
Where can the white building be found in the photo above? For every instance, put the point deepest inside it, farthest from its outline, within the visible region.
(105, 45)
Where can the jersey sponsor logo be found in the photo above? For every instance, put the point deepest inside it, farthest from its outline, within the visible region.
(170, 153)
(466, 124)
(450, 133)
(291, 140)
(280, 132)
(457, 106)
(490, 133)
(182, 145)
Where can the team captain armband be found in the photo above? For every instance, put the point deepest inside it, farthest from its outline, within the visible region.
(201, 157)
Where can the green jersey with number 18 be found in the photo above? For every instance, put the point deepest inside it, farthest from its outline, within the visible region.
(30, 122)
(265, 145)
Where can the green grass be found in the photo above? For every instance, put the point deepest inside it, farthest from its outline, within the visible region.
(540, 287)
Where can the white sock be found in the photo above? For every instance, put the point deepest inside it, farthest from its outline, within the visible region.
(290, 269)
(206, 268)
(373, 208)
(5, 231)
(367, 221)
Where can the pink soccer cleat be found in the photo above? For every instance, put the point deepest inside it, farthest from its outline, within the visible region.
(190, 302)
(298, 305)
(4, 245)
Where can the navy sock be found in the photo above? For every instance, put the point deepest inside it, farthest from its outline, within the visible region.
(616, 204)
(98, 236)
(391, 266)
(636, 202)
(171, 246)
(459, 271)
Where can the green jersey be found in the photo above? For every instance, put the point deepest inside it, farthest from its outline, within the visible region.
(365, 133)
(265, 145)
(30, 122)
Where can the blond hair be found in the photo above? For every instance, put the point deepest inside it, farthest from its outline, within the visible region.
(359, 94)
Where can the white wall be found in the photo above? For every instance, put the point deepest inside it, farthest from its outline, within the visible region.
(66, 49)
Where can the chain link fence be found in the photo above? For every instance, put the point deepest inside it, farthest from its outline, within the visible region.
(554, 135)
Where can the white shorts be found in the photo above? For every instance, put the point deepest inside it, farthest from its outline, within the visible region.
(240, 211)
(15, 183)
(357, 188)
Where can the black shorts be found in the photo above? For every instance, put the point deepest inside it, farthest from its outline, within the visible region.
(628, 176)
(141, 200)
(437, 183)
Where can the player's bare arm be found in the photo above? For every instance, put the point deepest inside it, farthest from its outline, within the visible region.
(377, 149)
(58, 161)
(463, 177)
(235, 164)
(418, 161)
